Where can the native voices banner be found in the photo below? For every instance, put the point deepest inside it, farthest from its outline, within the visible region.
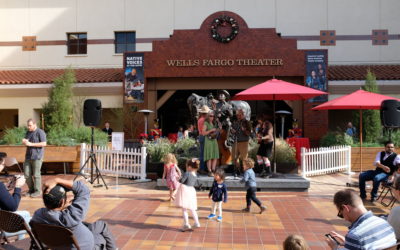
(316, 64)
(134, 77)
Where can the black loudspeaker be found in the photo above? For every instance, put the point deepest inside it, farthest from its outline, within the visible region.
(92, 112)
(390, 113)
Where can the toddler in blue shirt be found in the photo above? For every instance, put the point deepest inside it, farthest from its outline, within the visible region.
(249, 179)
(218, 193)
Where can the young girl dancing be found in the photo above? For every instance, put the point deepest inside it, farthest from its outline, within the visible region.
(250, 179)
(172, 174)
(186, 194)
(218, 193)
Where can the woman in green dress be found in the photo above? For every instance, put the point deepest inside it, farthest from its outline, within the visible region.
(211, 153)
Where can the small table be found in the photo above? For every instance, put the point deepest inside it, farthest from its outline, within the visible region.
(298, 143)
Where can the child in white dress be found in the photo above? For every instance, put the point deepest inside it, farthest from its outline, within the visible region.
(186, 194)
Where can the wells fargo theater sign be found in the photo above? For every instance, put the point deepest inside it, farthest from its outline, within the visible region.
(225, 62)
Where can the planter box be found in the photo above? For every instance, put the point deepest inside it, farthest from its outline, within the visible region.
(368, 157)
(286, 168)
(155, 168)
(54, 157)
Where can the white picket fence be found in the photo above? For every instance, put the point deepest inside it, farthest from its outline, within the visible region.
(320, 161)
(130, 163)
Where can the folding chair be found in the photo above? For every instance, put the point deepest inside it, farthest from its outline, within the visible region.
(12, 223)
(386, 189)
(53, 236)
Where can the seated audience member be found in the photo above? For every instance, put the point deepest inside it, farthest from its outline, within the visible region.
(366, 231)
(59, 212)
(295, 242)
(394, 215)
(189, 132)
(180, 133)
(10, 202)
(385, 163)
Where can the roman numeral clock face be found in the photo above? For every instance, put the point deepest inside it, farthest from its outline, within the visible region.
(224, 29)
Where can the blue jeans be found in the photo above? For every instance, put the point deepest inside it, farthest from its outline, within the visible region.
(201, 158)
(20, 234)
(376, 177)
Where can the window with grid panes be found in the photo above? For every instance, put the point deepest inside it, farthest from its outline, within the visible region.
(125, 41)
(77, 43)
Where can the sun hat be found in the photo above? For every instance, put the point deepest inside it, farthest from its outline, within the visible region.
(204, 110)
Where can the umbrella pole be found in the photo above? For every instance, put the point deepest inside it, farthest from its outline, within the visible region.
(361, 127)
(273, 107)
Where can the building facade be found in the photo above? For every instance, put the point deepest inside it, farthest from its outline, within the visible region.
(38, 39)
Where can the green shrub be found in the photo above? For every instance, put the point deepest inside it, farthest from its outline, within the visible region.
(58, 110)
(74, 136)
(336, 138)
(14, 136)
(158, 149)
(284, 153)
(186, 148)
(253, 147)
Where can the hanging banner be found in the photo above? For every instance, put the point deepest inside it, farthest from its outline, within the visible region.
(316, 65)
(134, 77)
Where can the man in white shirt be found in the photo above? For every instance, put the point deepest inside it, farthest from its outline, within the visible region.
(385, 163)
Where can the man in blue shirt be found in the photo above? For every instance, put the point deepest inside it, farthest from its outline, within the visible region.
(351, 131)
(366, 230)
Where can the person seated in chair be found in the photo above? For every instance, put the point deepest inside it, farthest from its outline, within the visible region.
(385, 163)
(59, 212)
(10, 202)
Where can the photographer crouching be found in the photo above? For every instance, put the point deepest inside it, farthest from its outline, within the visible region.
(60, 212)
(10, 202)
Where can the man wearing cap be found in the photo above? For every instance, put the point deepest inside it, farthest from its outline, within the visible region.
(200, 124)
(35, 141)
(10, 202)
(59, 212)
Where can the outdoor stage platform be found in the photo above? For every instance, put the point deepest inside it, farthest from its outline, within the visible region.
(279, 182)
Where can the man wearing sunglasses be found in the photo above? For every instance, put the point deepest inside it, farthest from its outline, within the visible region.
(385, 163)
(366, 230)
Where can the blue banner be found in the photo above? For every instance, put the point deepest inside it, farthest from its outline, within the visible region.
(134, 77)
(316, 65)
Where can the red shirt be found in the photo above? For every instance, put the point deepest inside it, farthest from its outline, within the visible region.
(200, 125)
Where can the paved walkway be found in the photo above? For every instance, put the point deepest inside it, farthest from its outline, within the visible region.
(141, 218)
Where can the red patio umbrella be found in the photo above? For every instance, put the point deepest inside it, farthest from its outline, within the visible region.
(275, 89)
(360, 100)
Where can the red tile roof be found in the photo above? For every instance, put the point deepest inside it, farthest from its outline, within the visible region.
(336, 72)
(48, 75)
(358, 72)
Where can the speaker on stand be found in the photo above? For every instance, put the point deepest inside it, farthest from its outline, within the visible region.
(91, 118)
(390, 115)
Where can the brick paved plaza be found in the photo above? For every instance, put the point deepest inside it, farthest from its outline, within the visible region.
(141, 218)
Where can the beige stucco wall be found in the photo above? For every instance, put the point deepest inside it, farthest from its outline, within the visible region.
(27, 106)
(51, 20)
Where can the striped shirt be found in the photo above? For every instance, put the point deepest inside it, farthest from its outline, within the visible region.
(370, 232)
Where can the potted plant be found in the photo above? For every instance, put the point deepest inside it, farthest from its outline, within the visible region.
(156, 150)
(285, 158)
(185, 149)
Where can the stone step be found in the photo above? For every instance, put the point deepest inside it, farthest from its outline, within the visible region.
(278, 182)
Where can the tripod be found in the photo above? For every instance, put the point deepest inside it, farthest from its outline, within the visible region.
(93, 161)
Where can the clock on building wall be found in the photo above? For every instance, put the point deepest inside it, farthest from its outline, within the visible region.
(224, 21)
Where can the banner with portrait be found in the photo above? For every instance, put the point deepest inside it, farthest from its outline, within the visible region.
(134, 78)
(316, 75)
